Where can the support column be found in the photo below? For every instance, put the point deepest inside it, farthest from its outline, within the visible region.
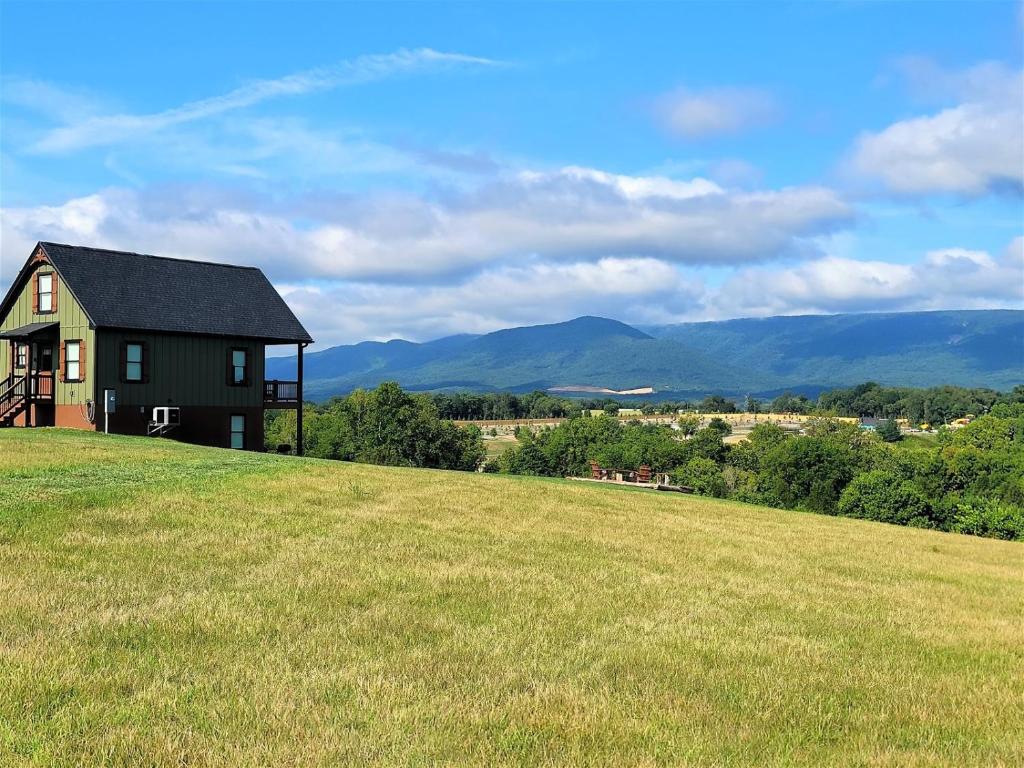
(31, 365)
(298, 413)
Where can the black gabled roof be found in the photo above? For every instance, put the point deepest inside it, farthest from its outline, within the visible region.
(118, 289)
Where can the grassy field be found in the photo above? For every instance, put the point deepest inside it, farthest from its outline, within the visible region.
(169, 605)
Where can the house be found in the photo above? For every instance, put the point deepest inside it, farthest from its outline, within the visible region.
(157, 332)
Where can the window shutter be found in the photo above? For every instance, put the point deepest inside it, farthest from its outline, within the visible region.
(62, 367)
(122, 361)
(35, 292)
(53, 288)
(81, 360)
(228, 371)
(145, 362)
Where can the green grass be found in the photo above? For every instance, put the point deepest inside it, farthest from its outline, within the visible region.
(169, 605)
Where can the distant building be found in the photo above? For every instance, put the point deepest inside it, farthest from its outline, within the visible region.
(158, 332)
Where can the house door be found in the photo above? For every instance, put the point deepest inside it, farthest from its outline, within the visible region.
(42, 362)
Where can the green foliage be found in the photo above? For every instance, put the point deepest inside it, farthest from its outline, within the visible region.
(688, 424)
(990, 518)
(809, 472)
(889, 431)
(703, 475)
(749, 455)
(721, 426)
(707, 443)
(384, 426)
(935, 405)
(883, 496)
(789, 403)
(717, 404)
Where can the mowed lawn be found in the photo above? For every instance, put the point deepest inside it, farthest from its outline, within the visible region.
(168, 605)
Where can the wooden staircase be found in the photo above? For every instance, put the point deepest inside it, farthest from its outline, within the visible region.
(13, 399)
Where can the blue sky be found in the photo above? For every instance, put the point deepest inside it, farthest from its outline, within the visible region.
(413, 170)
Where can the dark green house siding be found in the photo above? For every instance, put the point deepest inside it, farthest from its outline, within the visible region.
(181, 370)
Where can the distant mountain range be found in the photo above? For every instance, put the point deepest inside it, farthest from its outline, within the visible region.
(733, 357)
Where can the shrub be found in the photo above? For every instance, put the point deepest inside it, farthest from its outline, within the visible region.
(883, 496)
(702, 475)
(991, 518)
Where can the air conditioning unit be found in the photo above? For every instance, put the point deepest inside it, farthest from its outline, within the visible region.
(166, 416)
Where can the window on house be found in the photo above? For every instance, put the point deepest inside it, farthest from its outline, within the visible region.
(133, 362)
(46, 292)
(239, 367)
(21, 356)
(73, 361)
(238, 431)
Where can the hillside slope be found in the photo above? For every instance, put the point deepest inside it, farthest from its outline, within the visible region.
(969, 348)
(168, 605)
(762, 356)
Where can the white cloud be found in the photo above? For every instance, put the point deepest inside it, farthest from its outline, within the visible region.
(638, 290)
(951, 278)
(971, 148)
(105, 130)
(573, 214)
(698, 114)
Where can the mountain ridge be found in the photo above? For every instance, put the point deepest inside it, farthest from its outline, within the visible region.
(739, 356)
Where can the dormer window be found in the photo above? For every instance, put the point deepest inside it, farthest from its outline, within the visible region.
(45, 292)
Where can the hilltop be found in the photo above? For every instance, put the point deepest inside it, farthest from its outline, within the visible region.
(733, 357)
(166, 604)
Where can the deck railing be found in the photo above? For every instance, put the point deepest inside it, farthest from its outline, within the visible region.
(276, 392)
(42, 386)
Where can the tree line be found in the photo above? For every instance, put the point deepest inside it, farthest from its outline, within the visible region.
(934, 405)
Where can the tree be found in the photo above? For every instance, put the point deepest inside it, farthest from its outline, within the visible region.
(707, 443)
(721, 426)
(717, 404)
(749, 454)
(883, 496)
(809, 472)
(688, 424)
(889, 431)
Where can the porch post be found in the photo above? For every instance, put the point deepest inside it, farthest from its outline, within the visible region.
(31, 364)
(298, 413)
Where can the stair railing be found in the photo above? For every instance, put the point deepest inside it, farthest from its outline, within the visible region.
(13, 394)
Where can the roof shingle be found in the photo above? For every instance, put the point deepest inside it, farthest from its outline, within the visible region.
(152, 293)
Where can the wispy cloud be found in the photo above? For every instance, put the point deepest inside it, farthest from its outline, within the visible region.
(102, 130)
(697, 114)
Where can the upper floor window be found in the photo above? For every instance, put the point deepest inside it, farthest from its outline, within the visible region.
(44, 297)
(133, 362)
(73, 360)
(238, 367)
